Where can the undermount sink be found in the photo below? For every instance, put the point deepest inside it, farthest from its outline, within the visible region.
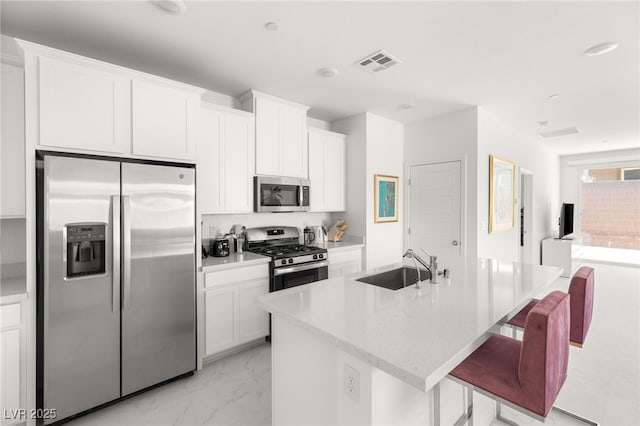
(396, 279)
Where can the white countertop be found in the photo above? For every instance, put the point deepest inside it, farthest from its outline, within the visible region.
(415, 335)
(211, 264)
(348, 242)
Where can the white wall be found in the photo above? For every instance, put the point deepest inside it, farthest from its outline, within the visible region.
(385, 155)
(374, 146)
(449, 137)
(224, 222)
(12, 241)
(504, 141)
(356, 197)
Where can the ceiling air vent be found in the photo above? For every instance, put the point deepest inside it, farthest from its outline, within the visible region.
(561, 132)
(377, 61)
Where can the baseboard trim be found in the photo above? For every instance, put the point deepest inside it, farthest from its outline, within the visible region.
(232, 351)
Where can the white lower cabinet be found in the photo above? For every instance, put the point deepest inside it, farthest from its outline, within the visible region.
(11, 366)
(345, 262)
(232, 314)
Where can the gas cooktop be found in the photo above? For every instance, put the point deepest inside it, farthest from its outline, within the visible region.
(281, 244)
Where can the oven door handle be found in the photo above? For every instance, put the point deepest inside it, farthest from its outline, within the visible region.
(298, 268)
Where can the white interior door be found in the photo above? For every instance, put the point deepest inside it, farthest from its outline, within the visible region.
(434, 211)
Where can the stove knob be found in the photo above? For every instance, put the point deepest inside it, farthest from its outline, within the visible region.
(290, 260)
(315, 256)
(284, 261)
(320, 256)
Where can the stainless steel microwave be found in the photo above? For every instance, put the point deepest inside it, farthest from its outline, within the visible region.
(280, 194)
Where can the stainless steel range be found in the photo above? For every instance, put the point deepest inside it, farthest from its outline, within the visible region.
(292, 263)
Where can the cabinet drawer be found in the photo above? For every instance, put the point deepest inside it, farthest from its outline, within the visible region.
(235, 275)
(10, 315)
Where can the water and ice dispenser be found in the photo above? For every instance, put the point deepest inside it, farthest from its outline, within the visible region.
(85, 249)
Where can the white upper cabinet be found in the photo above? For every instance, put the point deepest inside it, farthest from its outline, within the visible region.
(281, 143)
(164, 121)
(225, 160)
(79, 104)
(82, 106)
(12, 167)
(327, 170)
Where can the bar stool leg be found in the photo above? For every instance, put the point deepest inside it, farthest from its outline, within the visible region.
(575, 416)
(501, 418)
(467, 415)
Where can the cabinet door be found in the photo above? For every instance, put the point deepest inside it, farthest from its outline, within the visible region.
(316, 170)
(293, 142)
(267, 137)
(163, 121)
(238, 160)
(254, 320)
(209, 174)
(12, 173)
(221, 327)
(10, 370)
(334, 172)
(82, 107)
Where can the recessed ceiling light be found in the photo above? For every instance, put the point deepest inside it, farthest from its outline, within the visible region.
(327, 72)
(554, 96)
(174, 7)
(405, 106)
(600, 49)
(271, 26)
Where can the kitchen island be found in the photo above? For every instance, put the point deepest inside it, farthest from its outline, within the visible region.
(349, 352)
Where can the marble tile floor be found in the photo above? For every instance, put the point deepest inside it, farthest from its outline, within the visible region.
(232, 391)
(603, 383)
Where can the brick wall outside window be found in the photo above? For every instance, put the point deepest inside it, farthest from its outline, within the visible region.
(611, 214)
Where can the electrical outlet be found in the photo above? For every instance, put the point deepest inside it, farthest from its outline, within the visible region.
(352, 382)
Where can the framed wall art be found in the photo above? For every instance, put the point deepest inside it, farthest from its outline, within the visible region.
(501, 194)
(385, 190)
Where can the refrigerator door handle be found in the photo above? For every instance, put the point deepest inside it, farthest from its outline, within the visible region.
(115, 234)
(126, 251)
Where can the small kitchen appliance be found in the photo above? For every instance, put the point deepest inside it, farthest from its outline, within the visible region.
(220, 247)
(292, 263)
(280, 194)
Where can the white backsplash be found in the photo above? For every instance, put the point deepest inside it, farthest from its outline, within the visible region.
(224, 222)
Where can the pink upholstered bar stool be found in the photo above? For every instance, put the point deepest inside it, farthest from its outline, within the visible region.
(581, 306)
(526, 375)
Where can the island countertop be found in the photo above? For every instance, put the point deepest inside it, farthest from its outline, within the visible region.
(415, 335)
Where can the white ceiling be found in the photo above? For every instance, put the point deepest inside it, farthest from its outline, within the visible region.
(507, 57)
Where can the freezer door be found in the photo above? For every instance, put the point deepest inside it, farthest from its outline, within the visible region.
(158, 299)
(80, 349)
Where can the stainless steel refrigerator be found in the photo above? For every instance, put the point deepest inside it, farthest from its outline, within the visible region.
(116, 279)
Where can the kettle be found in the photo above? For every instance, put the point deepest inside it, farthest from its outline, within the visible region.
(320, 234)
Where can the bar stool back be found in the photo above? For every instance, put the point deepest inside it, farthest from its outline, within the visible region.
(526, 375)
(581, 306)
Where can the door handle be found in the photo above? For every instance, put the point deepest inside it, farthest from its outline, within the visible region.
(126, 251)
(454, 242)
(115, 247)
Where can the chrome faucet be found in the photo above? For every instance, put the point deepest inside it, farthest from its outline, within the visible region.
(433, 268)
(416, 259)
